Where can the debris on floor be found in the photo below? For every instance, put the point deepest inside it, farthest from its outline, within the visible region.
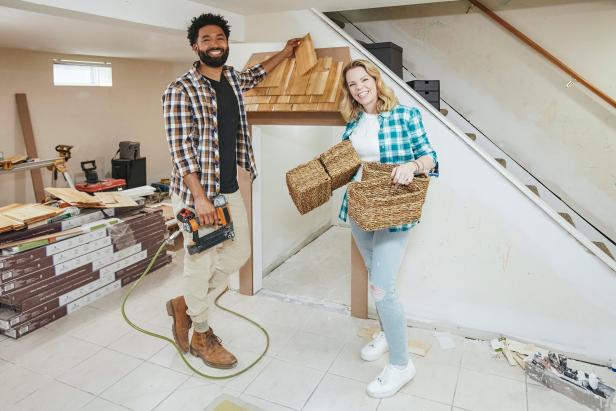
(585, 388)
(444, 339)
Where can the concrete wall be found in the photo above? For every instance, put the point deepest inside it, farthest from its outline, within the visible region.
(566, 137)
(92, 119)
(486, 257)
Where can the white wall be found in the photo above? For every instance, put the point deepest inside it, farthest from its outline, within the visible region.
(566, 137)
(281, 149)
(486, 257)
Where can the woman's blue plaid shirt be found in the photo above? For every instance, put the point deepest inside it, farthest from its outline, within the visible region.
(402, 138)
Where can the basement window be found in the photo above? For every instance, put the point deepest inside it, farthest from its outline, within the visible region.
(81, 73)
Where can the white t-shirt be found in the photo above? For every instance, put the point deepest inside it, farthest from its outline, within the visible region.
(365, 140)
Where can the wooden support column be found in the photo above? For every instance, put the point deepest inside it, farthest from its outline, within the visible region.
(359, 284)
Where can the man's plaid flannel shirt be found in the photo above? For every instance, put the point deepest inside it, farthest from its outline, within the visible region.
(402, 138)
(189, 108)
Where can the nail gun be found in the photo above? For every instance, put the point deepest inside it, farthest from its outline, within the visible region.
(190, 224)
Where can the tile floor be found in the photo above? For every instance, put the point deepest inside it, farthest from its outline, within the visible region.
(92, 360)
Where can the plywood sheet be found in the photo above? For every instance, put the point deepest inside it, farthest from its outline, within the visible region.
(305, 55)
(28, 213)
(72, 196)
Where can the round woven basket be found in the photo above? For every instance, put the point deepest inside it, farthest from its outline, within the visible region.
(376, 204)
(309, 186)
(341, 163)
(371, 170)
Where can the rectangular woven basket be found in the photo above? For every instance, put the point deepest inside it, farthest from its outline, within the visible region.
(375, 204)
(341, 163)
(309, 186)
(371, 170)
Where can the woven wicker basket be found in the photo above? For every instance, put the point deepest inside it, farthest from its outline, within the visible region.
(341, 163)
(371, 170)
(309, 186)
(376, 204)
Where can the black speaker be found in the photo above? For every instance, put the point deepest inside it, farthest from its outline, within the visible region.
(133, 171)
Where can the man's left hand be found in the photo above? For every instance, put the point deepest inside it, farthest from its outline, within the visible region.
(290, 47)
(404, 174)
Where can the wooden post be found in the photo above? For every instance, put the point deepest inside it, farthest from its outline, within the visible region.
(359, 283)
(26, 128)
(245, 183)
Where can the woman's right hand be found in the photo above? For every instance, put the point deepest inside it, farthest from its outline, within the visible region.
(205, 211)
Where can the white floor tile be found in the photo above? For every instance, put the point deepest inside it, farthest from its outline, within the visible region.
(263, 404)
(55, 396)
(100, 371)
(103, 330)
(194, 394)
(402, 401)
(433, 381)
(58, 355)
(99, 404)
(12, 350)
(436, 354)
(332, 325)
(285, 383)
(545, 399)
(139, 345)
(311, 350)
(168, 357)
(479, 356)
(144, 387)
(77, 319)
(18, 383)
(348, 363)
(340, 394)
(483, 392)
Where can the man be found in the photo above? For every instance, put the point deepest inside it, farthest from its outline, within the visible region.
(207, 132)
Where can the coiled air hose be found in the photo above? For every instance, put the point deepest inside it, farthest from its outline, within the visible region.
(170, 241)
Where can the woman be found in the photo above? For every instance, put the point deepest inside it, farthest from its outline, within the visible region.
(383, 130)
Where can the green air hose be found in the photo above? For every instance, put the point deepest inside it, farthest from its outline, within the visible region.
(162, 337)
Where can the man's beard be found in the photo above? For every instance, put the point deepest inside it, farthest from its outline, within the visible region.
(214, 61)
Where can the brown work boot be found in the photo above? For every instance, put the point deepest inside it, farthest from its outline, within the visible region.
(176, 308)
(208, 347)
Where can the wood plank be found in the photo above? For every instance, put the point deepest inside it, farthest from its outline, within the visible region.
(319, 76)
(299, 99)
(265, 107)
(29, 213)
(286, 79)
(334, 83)
(282, 107)
(72, 196)
(305, 55)
(255, 92)
(295, 118)
(276, 76)
(283, 99)
(299, 83)
(28, 133)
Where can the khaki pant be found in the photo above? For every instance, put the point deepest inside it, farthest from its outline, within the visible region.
(209, 270)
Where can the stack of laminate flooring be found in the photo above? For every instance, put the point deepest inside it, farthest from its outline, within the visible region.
(311, 81)
(50, 271)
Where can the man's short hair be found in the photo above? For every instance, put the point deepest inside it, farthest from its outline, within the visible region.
(207, 19)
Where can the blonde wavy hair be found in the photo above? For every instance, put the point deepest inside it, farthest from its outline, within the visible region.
(350, 108)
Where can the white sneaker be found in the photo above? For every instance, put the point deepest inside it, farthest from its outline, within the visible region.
(375, 348)
(390, 380)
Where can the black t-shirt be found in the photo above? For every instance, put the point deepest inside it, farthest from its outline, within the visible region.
(228, 117)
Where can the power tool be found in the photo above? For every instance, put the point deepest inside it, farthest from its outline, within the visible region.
(190, 224)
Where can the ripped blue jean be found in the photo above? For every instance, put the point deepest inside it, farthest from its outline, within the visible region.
(383, 252)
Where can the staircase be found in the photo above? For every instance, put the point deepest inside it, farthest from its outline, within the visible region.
(598, 238)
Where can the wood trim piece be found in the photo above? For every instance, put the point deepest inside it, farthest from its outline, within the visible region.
(245, 183)
(28, 133)
(543, 52)
(296, 118)
(359, 284)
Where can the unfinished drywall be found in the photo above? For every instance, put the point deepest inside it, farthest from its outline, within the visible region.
(486, 257)
(566, 137)
(92, 119)
(282, 148)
